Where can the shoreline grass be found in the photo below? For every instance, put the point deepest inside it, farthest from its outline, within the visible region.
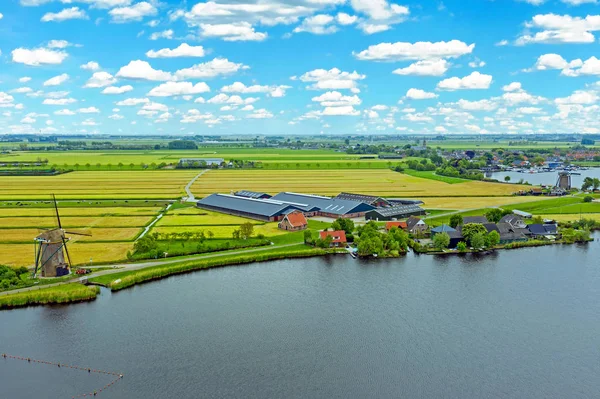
(67, 293)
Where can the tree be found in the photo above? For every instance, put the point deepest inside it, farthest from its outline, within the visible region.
(246, 230)
(441, 241)
(456, 220)
(461, 246)
(307, 237)
(236, 234)
(492, 239)
(507, 178)
(588, 198)
(145, 244)
(494, 215)
(344, 224)
(471, 229)
(478, 240)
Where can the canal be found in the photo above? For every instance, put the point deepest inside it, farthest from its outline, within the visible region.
(513, 324)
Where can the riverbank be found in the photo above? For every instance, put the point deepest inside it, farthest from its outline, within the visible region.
(67, 293)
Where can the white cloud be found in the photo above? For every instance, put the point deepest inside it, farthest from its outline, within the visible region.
(333, 79)
(560, 29)
(477, 64)
(58, 44)
(222, 98)
(100, 79)
(170, 89)
(6, 100)
(579, 97)
(136, 12)
(22, 90)
(57, 80)
(116, 117)
(431, 67)
(514, 86)
(320, 24)
(133, 101)
(481, 105)
(90, 66)
(234, 32)
(260, 114)
(1, 15)
(38, 56)
(166, 34)
(24, 79)
(117, 89)
(475, 80)
(418, 94)
(89, 110)
(59, 101)
(184, 50)
(517, 97)
(142, 70)
(345, 19)
(402, 51)
(238, 87)
(64, 15)
(440, 129)
(336, 99)
(210, 69)
(379, 9)
(64, 112)
(371, 29)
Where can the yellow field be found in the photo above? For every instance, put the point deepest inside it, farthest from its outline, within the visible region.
(80, 211)
(198, 219)
(163, 184)
(458, 203)
(22, 254)
(269, 229)
(76, 221)
(382, 182)
(20, 235)
(572, 217)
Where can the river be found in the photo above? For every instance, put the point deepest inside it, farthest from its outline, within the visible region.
(546, 178)
(513, 324)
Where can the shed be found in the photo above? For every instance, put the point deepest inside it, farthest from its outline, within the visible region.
(395, 212)
(525, 215)
(475, 219)
(367, 199)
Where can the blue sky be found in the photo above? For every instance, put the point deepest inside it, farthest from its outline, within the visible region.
(299, 66)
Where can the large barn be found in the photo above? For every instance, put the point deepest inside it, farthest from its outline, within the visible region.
(394, 212)
(328, 207)
(367, 199)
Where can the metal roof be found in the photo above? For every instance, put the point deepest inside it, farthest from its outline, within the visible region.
(475, 219)
(521, 213)
(263, 207)
(443, 229)
(399, 210)
(324, 204)
(359, 197)
(250, 194)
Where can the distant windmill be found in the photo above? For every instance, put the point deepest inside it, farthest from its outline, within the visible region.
(49, 247)
(564, 180)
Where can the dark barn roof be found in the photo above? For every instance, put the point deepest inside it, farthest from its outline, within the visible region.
(405, 201)
(259, 207)
(368, 199)
(443, 229)
(475, 219)
(324, 204)
(491, 227)
(399, 211)
(251, 194)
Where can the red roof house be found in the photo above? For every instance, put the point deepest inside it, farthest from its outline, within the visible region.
(293, 221)
(400, 225)
(338, 237)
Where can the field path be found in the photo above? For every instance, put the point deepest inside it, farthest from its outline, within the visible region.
(122, 267)
(188, 189)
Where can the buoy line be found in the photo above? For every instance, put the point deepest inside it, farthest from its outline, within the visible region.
(96, 392)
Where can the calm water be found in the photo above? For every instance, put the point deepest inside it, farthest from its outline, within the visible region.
(548, 178)
(515, 324)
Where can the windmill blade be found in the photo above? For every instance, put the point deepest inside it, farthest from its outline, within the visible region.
(78, 234)
(67, 251)
(57, 214)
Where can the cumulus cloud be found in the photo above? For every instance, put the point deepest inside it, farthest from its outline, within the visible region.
(234, 32)
(514, 86)
(64, 15)
(579, 97)
(555, 28)
(321, 24)
(260, 114)
(100, 79)
(24, 79)
(402, 51)
(142, 70)
(136, 12)
(336, 99)
(133, 101)
(210, 69)
(431, 67)
(184, 50)
(333, 79)
(64, 112)
(89, 110)
(166, 34)
(170, 89)
(90, 66)
(475, 80)
(481, 105)
(418, 94)
(39, 56)
(239, 87)
(59, 101)
(117, 89)
(57, 80)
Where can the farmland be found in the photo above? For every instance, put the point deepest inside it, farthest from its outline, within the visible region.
(332, 182)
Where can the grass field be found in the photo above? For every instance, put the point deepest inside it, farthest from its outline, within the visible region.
(102, 234)
(76, 221)
(268, 230)
(430, 174)
(332, 182)
(22, 254)
(460, 203)
(562, 205)
(200, 217)
(167, 184)
(571, 217)
(81, 211)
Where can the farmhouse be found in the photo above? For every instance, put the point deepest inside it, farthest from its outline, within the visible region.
(367, 199)
(455, 235)
(543, 230)
(514, 220)
(395, 212)
(192, 162)
(325, 206)
(399, 225)
(338, 238)
(416, 226)
(260, 209)
(293, 221)
(475, 219)
(509, 233)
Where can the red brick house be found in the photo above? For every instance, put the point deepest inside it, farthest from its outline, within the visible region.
(400, 225)
(338, 237)
(293, 221)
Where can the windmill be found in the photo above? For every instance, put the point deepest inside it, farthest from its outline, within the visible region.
(564, 181)
(50, 249)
